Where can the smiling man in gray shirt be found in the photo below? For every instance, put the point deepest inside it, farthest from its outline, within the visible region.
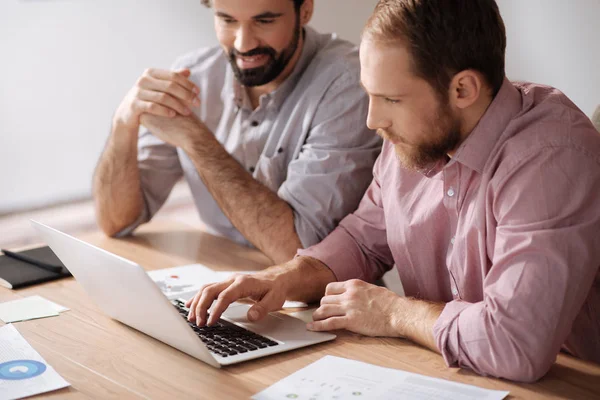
(267, 129)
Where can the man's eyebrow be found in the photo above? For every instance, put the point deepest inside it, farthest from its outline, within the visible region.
(267, 15)
(223, 15)
(378, 94)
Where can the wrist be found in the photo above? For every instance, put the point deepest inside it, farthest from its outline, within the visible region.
(399, 317)
(124, 134)
(415, 320)
(121, 122)
(309, 278)
(284, 275)
(200, 141)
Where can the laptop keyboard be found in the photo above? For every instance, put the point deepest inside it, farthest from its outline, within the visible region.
(225, 338)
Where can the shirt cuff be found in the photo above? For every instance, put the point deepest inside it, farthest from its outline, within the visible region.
(445, 331)
(338, 252)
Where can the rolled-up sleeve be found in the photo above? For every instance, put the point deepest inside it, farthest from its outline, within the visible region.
(545, 257)
(160, 169)
(330, 175)
(358, 247)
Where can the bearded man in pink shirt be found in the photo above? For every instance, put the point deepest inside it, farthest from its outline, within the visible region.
(485, 199)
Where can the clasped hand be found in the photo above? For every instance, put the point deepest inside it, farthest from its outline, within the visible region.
(162, 101)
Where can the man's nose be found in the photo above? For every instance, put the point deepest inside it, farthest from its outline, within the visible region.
(245, 39)
(375, 118)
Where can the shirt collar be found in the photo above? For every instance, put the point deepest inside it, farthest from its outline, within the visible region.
(278, 96)
(476, 149)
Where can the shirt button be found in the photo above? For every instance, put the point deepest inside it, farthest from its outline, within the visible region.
(251, 169)
(280, 150)
(450, 192)
(452, 240)
(454, 291)
(254, 123)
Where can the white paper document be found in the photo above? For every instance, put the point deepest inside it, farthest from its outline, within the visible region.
(23, 372)
(340, 378)
(185, 281)
(31, 307)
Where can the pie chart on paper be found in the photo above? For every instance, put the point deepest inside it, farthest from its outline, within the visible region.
(21, 369)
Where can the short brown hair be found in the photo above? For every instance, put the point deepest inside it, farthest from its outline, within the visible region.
(445, 37)
(297, 3)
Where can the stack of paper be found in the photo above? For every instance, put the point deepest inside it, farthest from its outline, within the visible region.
(340, 378)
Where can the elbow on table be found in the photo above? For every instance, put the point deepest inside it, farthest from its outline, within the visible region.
(110, 228)
(524, 366)
(524, 371)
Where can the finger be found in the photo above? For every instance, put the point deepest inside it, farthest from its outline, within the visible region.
(206, 299)
(181, 76)
(330, 324)
(172, 88)
(332, 299)
(185, 72)
(327, 311)
(192, 303)
(335, 288)
(163, 99)
(174, 77)
(272, 301)
(189, 301)
(244, 286)
(149, 107)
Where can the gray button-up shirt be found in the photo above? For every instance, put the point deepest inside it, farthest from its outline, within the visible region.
(307, 140)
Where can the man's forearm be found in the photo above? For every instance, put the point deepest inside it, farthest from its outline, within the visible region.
(415, 321)
(117, 191)
(257, 212)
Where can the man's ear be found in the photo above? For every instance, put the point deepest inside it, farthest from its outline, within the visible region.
(466, 88)
(306, 11)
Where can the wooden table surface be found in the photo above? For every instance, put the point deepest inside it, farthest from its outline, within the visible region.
(103, 358)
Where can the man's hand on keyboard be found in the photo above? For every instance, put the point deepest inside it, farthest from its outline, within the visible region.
(268, 290)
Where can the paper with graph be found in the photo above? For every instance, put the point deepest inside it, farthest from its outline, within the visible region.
(23, 372)
(341, 378)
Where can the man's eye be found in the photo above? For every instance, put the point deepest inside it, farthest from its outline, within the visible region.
(265, 21)
(228, 20)
(391, 101)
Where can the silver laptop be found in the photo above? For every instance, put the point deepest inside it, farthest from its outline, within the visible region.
(126, 293)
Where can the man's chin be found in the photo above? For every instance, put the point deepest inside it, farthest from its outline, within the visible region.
(414, 162)
(405, 159)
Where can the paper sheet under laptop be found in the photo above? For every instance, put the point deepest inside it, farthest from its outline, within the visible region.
(185, 281)
(340, 378)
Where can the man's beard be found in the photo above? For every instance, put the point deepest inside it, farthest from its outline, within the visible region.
(424, 155)
(273, 67)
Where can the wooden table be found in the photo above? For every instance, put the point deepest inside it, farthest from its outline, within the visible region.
(103, 358)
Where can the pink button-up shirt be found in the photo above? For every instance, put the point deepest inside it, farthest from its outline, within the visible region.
(507, 234)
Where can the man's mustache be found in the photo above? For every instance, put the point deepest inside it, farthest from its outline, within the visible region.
(383, 134)
(268, 51)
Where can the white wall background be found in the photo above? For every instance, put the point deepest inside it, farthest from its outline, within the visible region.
(555, 42)
(66, 64)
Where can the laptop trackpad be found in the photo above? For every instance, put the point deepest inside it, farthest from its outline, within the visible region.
(271, 323)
